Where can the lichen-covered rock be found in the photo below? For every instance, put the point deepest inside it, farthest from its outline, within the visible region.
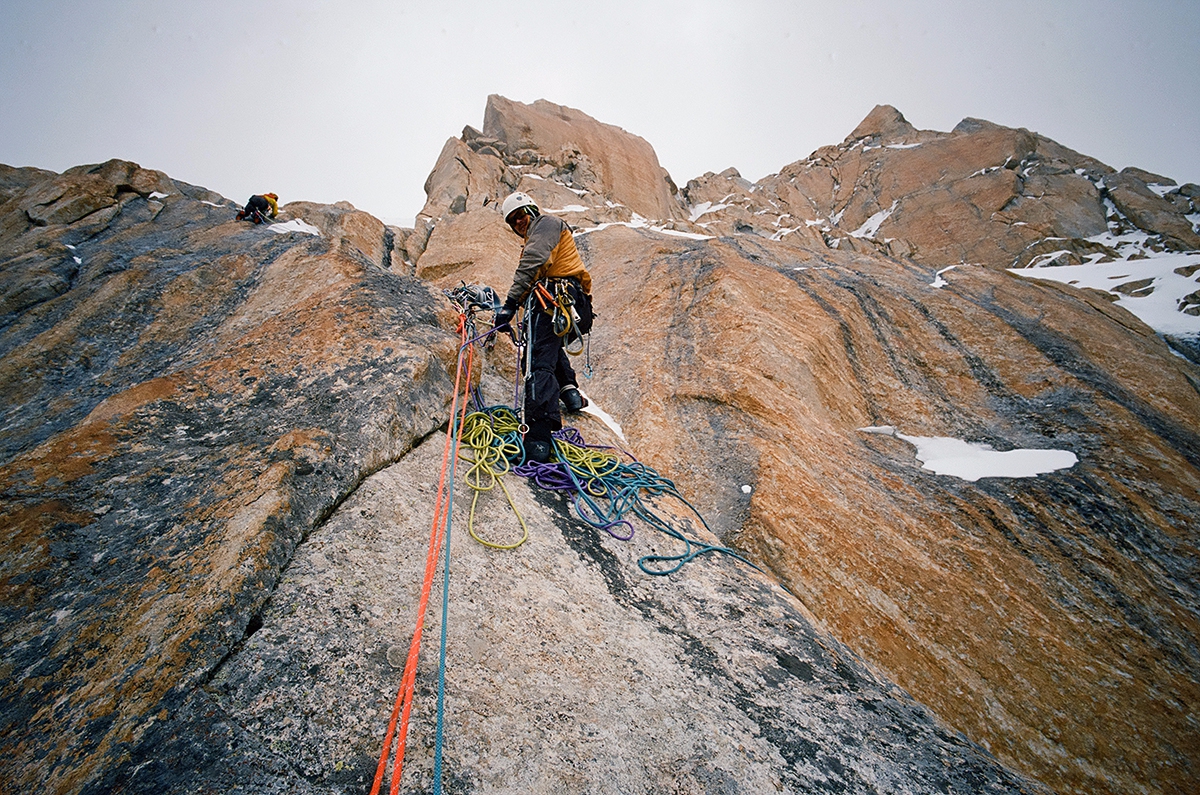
(1022, 611)
(567, 668)
(189, 404)
(184, 400)
(759, 359)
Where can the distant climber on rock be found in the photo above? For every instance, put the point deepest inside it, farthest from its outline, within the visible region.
(259, 207)
(549, 274)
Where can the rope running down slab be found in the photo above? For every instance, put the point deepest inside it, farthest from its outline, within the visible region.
(439, 535)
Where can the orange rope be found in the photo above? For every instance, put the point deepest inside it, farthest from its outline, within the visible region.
(441, 512)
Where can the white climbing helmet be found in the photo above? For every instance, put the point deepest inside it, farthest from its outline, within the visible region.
(515, 202)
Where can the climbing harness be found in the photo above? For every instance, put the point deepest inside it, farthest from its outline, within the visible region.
(564, 318)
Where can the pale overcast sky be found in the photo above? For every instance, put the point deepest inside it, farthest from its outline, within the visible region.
(325, 101)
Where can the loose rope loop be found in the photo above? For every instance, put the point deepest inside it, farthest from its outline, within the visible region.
(493, 437)
(608, 489)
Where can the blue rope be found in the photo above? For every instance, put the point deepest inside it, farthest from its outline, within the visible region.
(439, 743)
(624, 486)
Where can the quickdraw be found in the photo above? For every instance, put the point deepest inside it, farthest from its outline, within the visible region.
(564, 318)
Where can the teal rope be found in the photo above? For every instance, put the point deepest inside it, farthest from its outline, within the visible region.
(624, 487)
(438, 745)
(607, 491)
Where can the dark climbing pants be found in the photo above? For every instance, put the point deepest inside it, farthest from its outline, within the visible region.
(550, 371)
(258, 204)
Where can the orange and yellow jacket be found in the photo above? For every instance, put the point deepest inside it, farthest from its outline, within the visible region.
(549, 253)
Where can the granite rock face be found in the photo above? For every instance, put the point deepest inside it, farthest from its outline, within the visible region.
(1051, 619)
(185, 400)
(1036, 615)
(217, 488)
(567, 669)
(981, 194)
(584, 154)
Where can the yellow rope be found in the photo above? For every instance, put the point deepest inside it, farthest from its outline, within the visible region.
(490, 439)
(590, 465)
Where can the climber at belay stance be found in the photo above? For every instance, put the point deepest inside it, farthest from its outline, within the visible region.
(550, 274)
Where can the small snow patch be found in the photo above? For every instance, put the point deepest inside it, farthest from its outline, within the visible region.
(1046, 260)
(157, 195)
(970, 461)
(938, 282)
(295, 225)
(704, 208)
(603, 416)
(638, 222)
(871, 226)
(746, 489)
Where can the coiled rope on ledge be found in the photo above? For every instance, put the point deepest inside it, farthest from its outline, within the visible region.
(493, 438)
(607, 489)
(608, 485)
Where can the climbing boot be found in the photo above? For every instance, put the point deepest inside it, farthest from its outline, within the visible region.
(572, 398)
(538, 450)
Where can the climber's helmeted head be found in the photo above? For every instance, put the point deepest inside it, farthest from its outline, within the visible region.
(271, 196)
(518, 210)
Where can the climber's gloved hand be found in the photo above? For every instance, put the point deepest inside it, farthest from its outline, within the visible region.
(505, 316)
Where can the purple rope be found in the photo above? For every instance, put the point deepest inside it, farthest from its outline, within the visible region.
(571, 435)
(554, 477)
